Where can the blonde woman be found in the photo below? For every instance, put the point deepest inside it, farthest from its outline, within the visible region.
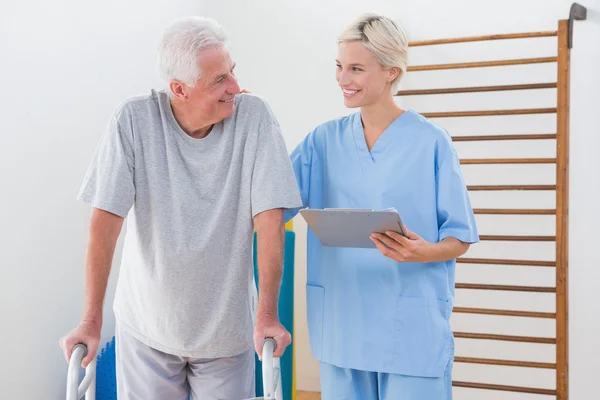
(379, 318)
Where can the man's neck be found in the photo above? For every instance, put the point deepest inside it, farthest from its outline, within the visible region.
(192, 123)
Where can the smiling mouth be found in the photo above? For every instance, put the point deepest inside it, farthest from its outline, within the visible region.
(349, 92)
(226, 101)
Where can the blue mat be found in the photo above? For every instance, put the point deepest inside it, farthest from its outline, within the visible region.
(106, 378)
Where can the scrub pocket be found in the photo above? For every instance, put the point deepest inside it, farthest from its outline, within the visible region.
(315, 296)
(422, 336)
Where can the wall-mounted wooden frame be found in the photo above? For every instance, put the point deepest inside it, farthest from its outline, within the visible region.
(564, 35)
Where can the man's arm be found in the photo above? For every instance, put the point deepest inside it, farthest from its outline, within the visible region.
(270, 231)
(103, 234)
(273, 189)
(105, 229)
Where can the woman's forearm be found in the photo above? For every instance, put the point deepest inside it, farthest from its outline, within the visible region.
(447, 249)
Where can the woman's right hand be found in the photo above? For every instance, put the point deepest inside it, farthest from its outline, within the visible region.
(88, 333)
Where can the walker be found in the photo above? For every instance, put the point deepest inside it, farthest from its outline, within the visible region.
(271, 374)
(75, 390)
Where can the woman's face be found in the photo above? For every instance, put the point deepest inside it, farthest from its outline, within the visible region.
(362, 79)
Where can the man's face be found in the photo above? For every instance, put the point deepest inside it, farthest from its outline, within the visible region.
(213, 94)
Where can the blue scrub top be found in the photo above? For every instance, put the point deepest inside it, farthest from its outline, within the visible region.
(366, 311)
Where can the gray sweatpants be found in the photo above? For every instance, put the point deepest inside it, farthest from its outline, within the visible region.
(144, 373)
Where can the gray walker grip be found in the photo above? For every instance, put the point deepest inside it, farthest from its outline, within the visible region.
(87, 387)
(271, 372)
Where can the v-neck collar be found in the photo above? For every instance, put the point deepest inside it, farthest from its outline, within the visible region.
(381, 143)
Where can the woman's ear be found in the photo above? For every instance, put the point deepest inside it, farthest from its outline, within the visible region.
(393, 73)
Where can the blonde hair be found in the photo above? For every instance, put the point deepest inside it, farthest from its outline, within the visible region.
(384, 38)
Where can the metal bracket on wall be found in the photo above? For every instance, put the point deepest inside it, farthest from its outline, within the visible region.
(577, 13)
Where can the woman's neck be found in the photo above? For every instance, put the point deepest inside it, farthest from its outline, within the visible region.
(376, 118)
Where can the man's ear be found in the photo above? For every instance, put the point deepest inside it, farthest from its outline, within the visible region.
(178, 89)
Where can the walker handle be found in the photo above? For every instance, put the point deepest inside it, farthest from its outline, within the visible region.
(271, 371)
(75, 390)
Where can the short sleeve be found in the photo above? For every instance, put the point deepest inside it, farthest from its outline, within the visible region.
(273, 181)
(454, 212)
(109, 181)
(301, 159)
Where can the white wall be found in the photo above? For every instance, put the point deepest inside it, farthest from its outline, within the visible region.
(65, 66)
(285, 51)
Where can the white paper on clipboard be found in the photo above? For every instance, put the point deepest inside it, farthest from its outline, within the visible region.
(347, 227)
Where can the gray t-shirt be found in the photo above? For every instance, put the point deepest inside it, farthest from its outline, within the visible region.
(186, 280)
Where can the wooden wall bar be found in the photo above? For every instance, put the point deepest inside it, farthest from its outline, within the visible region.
(559, 237)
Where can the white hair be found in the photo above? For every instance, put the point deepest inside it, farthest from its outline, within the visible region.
(384, 38)
(181, 44)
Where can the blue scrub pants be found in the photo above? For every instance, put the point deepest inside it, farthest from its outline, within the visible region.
(343, 384)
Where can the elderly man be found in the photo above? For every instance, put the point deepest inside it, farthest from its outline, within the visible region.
(195, 169)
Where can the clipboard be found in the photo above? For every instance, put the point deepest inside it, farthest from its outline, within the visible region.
(343, 227)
